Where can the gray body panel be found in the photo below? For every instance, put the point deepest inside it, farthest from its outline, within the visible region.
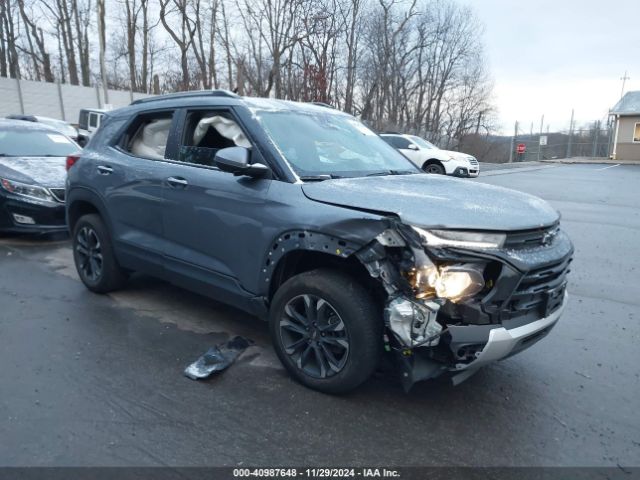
(434, 201)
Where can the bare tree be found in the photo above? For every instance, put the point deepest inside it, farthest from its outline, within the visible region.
(411, 65)
(9, 39)
(183, 36)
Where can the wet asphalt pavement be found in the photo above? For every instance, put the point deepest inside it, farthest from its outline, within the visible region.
(97, 380)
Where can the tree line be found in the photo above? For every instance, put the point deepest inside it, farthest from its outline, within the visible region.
(401, 65)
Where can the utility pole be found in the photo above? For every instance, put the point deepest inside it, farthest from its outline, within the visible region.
(570, 135)
(513, 142)
(540, 138)
(624, 82)
(101, 37)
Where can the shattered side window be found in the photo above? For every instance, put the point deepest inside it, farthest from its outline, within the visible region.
(207, 132)
(148, 135)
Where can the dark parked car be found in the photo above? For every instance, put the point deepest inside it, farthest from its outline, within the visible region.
(32, 177)
(300, 214)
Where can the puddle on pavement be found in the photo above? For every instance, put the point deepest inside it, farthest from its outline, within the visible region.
(188, 311)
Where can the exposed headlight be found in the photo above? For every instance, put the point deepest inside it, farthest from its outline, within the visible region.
(457, 282)
(24, 190)
(456, 238)
(452, 282)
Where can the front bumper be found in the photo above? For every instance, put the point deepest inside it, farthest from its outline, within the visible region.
(502, 342)
(466, 171)
(48, 217)
(524, 302)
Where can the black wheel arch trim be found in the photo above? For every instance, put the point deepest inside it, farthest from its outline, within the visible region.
(432, 161)
(83, 194)
(302, 240)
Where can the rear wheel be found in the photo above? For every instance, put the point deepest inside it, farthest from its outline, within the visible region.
(326, 330)
(435, 168)
(93, 255)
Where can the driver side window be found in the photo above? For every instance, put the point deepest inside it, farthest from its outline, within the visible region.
(206, 132)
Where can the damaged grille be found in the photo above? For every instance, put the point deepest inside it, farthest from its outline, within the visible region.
(58, 194)
(541, 289)
(531, 238)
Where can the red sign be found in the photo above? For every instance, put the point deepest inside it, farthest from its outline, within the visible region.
(521, 148)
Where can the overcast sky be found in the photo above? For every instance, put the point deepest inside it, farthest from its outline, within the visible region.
(549, 56)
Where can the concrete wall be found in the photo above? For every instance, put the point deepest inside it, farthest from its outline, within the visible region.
(56, 101)
(626, 148)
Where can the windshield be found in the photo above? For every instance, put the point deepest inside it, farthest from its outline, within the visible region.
(62, 127)
(34, 143)
(422, 142)
(319, 143)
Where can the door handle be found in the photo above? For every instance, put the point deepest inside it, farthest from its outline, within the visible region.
(104, 170)
(177, 182)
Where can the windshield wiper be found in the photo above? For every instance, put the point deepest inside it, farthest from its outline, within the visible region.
(319, 178)
(391, 172)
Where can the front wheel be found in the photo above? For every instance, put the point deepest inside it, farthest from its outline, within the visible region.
(326, 330)
(434, 168)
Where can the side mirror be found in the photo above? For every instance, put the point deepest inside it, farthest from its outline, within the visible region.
(412, 147)
(236, 160)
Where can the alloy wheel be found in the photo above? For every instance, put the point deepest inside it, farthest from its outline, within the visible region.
(314, 336)
(89, 253)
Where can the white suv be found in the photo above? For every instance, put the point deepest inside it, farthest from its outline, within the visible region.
(431, 159)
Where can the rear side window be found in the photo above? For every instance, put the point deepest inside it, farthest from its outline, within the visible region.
(397, 142)
(147, 135)
(206, 132)
(93, 119)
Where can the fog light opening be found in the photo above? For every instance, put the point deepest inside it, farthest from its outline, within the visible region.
(23, 219)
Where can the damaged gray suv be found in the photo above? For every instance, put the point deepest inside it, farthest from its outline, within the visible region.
(301, 215)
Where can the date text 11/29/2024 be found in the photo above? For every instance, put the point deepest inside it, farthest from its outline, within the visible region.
(315, 473)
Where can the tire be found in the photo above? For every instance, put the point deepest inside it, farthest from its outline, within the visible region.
(317, 356)
(93, 255)
(435, 168)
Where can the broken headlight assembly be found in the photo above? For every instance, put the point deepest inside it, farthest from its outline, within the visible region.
(450, 282)
(32, 192)
(413, 321)
(460, 239)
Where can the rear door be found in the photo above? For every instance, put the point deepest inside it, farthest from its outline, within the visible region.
(130, 179)
(212, 220)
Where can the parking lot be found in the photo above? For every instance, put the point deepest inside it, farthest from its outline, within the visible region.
(97, 380)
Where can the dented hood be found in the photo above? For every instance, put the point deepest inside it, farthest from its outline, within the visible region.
(44, 171)
(437, 201)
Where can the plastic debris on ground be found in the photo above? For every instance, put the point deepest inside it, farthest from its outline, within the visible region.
(217, 358)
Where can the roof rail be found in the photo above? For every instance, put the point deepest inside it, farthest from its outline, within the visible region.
(322, 104)
(193, 93)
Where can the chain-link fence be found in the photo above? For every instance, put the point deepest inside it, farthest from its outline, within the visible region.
(591, 140)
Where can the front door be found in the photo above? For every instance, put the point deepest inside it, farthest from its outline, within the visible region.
(212, 220)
